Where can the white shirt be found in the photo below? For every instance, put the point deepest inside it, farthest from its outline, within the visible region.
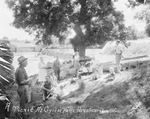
(118, 49)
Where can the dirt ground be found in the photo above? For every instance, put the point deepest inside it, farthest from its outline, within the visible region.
(126, 97)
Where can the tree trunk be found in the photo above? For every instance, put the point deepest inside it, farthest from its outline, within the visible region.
(75, 48)
(82, 51)
(78, 41)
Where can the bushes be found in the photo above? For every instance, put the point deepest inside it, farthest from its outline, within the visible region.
(139, 47)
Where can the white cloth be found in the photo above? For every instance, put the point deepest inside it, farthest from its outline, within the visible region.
(67, 88)
(42, 72)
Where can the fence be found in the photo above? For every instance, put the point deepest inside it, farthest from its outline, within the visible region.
(27, 49)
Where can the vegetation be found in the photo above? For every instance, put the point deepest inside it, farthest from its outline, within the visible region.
(6, 68)
(144, 14)
(93, 21)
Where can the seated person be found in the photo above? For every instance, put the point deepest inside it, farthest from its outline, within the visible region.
(75, 93)
(83, 70)
(97, 73)
(112, 74)
(47, 92)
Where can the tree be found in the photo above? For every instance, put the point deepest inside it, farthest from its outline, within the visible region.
(144, 14)
(134, 3)
(132, 33)
(94, 21)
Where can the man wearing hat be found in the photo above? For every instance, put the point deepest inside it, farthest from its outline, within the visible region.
(118, 52)
(22, 81)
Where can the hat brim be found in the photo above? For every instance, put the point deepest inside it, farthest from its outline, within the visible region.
(23, 60)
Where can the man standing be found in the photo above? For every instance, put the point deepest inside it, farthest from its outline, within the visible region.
(76, 62)
(56, 67)
(118, 55)
(22, 81)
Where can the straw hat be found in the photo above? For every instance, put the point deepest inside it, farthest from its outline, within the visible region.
(21, 59)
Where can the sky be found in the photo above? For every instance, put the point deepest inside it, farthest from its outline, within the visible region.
(129, 13)
(6, 29)
(6, 18)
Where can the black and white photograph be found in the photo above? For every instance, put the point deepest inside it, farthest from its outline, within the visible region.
(74, 59)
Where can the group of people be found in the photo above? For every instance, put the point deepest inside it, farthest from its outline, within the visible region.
(48, 76)
(23, 80)
(55, 68)
(43, 67)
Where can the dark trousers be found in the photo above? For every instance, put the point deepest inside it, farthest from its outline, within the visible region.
(45, 93)
(57, 73)
(22, 92)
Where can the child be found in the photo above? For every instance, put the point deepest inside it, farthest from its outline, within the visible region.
(97, 73)
(112, 74)
(47, 92)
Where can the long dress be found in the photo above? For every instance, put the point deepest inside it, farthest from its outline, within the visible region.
(76, 62)
(56, 67)
(42, 72)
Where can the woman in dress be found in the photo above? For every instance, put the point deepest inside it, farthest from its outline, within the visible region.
(56, 67)
(76, 62)
(42, 70)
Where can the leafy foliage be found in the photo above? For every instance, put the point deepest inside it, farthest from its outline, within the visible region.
(132, 33)
(6, 68)
(45, 18)
(134, 3)
(144, 14)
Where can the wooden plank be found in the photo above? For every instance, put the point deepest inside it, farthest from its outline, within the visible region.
(137, 57)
